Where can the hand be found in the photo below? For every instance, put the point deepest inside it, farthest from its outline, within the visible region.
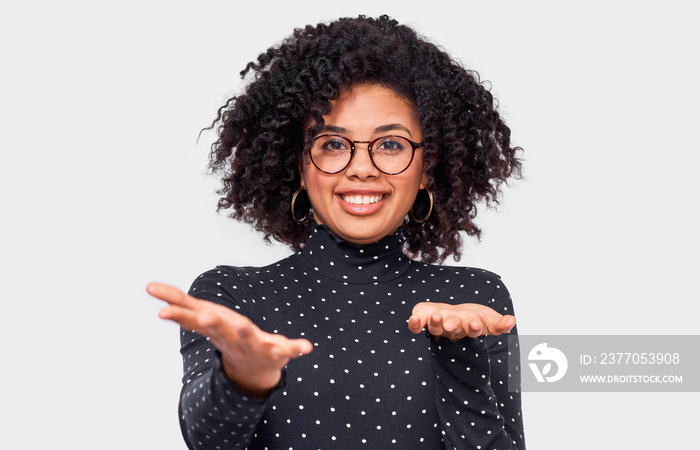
(253, 359)
(458, 321)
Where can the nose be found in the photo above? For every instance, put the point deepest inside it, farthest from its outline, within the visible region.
(361, 165)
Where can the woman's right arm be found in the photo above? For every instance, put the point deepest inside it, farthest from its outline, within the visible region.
(231, 368)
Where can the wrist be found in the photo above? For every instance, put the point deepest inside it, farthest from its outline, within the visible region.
(254, 385)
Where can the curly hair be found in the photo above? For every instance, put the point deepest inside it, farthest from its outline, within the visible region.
(261, 139)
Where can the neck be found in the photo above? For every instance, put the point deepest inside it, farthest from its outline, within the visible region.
(348, 262)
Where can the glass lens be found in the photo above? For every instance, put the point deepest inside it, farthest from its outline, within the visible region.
(392, 154)
(331, 153)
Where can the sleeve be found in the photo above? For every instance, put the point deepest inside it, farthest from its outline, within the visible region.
(473, 400)
(213, 412)
(506, 385)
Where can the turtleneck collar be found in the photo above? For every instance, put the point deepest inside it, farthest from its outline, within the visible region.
(344, 261)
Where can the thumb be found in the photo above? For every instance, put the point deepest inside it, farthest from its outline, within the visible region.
(505, 324)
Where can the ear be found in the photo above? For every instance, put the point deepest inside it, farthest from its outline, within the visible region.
(424, 179)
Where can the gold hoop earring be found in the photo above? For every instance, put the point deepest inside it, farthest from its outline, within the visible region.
(430, 211)
(294, 199)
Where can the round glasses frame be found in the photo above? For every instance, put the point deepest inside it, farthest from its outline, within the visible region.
(414, 146)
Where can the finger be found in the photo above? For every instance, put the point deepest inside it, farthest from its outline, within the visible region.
(435, 324)
(277, 347)
(474, 328)
(301, 347)
(452, 324)
(416, 323)
(422, 309)
(170, 294)
(205, 320)
(453, 328)
(185, 317)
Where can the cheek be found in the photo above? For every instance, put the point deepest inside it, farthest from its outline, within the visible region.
(318, 186)
(409, 190)
(412, 186)
(309, 176)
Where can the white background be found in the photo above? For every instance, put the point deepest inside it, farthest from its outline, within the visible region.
(104, 189)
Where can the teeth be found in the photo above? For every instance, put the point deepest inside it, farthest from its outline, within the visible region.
(362, 199)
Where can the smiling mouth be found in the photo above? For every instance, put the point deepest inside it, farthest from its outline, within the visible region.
(362, 199)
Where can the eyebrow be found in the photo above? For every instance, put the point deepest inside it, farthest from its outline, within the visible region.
(379, 129)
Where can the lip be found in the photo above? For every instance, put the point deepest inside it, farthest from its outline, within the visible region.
(349, 201)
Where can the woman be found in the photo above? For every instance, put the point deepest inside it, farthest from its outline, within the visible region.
(383, 145)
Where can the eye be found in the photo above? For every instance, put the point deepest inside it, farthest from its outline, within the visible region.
(391, 144)
(332, 144)
(336, 144)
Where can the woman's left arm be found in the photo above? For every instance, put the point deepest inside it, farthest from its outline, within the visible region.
(505, 382)
(470, 361)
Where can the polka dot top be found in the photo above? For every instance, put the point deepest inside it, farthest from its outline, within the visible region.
(369, 382)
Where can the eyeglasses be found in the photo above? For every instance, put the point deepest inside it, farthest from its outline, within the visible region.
(332, 153)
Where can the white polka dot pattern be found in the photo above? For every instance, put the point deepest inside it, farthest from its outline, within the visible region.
(369, 381)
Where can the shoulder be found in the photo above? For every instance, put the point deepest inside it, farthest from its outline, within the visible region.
(239, 276)
(232, 285)
(458, 284)
(470, 275)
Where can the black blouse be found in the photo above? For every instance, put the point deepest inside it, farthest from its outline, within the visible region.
(369, 382)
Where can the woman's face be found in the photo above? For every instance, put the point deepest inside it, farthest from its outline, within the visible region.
(362, 204)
